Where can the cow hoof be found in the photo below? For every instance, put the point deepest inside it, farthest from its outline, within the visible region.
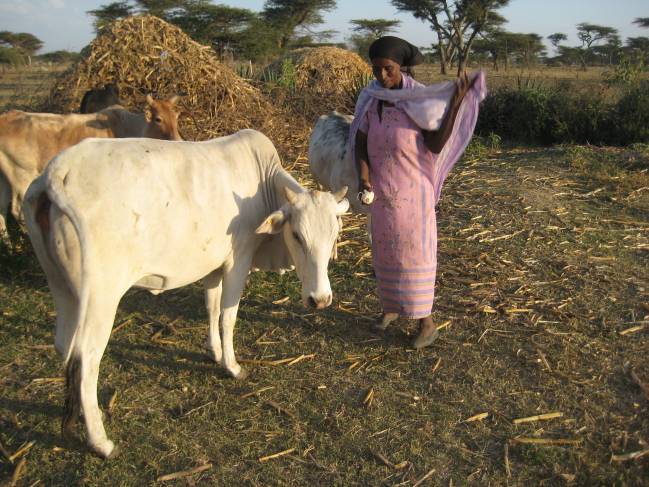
(105, 449)
(240, 375)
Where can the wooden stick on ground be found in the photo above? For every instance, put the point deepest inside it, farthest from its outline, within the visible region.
(184, 473)
(18, 471)
(546, 441)
(507, 467)
(630, 456)
(538, 417)
(421, 480)
(643, 387)
(21, 451)
(276, 455)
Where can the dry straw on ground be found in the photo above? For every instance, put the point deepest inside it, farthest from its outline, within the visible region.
(144, 54)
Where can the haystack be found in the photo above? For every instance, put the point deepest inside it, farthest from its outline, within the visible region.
(144, 54)
(324, 70)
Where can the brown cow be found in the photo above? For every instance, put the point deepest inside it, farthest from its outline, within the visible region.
(29, 140)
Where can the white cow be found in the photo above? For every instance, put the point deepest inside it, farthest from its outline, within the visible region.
(108, 214)
(330, 161)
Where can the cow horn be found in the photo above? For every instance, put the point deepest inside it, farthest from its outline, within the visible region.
(340, 194)
(149, 99)
(291, 195)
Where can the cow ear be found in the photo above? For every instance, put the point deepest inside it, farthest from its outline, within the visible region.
(291, 195)
(340, 194)
(342, 207)
(148, 115)
(173, 99)
(273, 223)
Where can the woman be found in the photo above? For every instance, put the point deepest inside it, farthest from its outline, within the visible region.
(405, 138)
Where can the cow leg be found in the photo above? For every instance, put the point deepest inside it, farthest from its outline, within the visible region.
(5, 201)
(90, 344)
(213, 290)
(234, 280)
(369, 228)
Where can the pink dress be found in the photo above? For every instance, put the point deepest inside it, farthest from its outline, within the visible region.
(407, 179)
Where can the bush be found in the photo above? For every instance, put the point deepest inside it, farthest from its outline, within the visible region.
(544, 116)
(11, 56)
(632, 115)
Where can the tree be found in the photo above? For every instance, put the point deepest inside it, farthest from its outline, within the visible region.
(642, 21)
(556, 38)
(374, 27)
(286, 16)
(529, 47)
(25, 43)
(610, 51)
(569, 55)
(18, 44)
(106, 14)
(463, 21)
(161, 8)
(218, 26)
(639, 45)
(589, 34)
(368, 30)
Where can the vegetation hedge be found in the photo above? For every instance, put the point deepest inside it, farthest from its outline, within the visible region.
(547, 116)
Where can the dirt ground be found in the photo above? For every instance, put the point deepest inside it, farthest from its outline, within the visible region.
(543, 307)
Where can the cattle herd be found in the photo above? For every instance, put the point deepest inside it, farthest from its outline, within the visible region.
(108, 207)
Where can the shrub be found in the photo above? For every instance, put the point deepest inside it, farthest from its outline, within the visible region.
(537, 115)
(632, 115)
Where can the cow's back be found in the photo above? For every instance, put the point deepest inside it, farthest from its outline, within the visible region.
(157, 204)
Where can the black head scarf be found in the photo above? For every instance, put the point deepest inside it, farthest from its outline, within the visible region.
(401, 52)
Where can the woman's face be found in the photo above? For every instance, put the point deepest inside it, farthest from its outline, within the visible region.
(386, 72)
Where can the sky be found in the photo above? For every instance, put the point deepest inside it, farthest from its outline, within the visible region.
(64, 24)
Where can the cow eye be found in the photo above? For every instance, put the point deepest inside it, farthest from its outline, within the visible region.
(297, 237)
(158, 120)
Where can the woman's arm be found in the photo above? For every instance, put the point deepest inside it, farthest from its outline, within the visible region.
(362, 161)
(436, 139)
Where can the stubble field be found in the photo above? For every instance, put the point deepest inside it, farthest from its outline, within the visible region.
(543, 306)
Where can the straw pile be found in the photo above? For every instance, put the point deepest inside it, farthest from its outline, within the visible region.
(144, 54)
(324, 70)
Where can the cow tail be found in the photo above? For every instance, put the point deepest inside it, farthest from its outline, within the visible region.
(72, 407)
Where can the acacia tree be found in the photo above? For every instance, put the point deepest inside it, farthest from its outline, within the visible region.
(639, 45)
(589, 35)
(368, 30)
(556, 38)
(106, 14)
(642, 21)
(17, 44)
(219, 26)
(286, 16)
(502, 46)
(457, 23)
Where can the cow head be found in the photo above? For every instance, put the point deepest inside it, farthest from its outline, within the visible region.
(162, 119)
(309, 226)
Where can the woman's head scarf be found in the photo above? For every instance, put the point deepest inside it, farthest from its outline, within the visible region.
(401, 52)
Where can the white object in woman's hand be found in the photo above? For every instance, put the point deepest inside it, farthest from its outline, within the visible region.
(366, 197)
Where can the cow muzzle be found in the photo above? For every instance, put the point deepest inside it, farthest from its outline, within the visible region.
(320, 301)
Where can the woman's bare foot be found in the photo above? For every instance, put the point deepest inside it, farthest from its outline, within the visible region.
(428, 333)
(382, 324)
